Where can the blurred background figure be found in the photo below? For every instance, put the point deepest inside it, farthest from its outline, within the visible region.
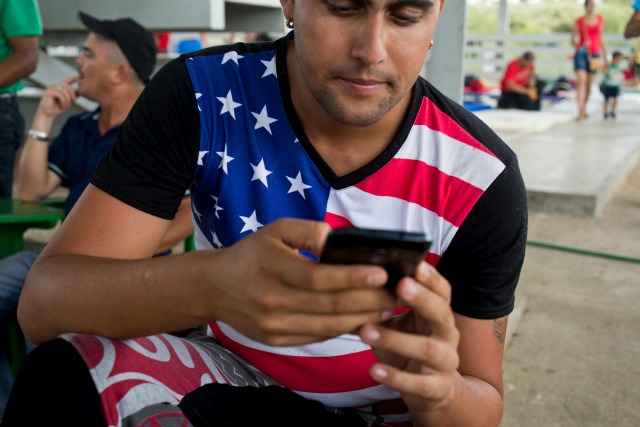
(587, 40)
(613, 79)
(20, 29)
(519, 86)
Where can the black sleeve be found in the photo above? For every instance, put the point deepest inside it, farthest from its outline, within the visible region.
(484, 260)
(151, 164)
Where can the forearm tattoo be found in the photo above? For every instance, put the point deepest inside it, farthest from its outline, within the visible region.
(500, 329)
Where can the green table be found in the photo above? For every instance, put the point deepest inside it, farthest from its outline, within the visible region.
(17, 216)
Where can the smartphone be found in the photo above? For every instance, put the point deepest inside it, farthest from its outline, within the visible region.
(399, 252)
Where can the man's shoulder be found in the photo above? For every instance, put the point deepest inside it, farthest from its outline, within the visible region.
(455, 120)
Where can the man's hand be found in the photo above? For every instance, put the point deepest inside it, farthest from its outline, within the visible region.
(278, 296)
(418, 349)
(57, 98)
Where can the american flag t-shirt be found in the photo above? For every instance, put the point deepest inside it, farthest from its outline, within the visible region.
(253, 170)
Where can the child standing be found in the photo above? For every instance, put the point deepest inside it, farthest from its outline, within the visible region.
(613, 79)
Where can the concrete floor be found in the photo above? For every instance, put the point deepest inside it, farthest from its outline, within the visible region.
(571, 167)
(573, 340)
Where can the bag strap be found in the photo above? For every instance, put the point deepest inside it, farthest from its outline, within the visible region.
(585, 36)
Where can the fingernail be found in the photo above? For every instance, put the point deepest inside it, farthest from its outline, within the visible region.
(379, 373)
(412, 288)
(376, 279)
(386, 315)
(370, 334)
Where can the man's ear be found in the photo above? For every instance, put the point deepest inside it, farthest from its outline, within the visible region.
(287, 8)
(441, 6)
(122, 73)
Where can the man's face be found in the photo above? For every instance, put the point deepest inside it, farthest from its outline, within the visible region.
(95, 65)
(359, 58)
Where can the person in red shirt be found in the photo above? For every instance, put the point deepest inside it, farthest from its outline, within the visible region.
(587, 40)
(519, 86)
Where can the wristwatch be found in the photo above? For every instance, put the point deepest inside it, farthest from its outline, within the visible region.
(39, 136)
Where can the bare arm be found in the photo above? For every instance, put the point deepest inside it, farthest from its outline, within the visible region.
(180, 228)
(515, 87)
(22, 62)
(96, 276)
(575, 36)
(35, 180)
(447, 367)
(632, 28)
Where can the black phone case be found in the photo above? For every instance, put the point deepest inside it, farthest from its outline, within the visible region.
(399, 252)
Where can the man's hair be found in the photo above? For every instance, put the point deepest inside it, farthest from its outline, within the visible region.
(528, 56)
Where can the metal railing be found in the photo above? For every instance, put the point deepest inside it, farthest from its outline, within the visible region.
(486, 56)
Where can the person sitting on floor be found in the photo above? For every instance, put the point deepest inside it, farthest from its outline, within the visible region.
(519, 85)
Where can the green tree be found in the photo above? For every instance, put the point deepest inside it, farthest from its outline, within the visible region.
(546, 17)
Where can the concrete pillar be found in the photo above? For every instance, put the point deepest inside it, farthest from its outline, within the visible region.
(444, 67)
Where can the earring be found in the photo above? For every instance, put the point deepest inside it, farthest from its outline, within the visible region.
(289, 23)
(431, 45)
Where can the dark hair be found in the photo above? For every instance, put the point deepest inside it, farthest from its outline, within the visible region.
(528, 55)
(616, 53)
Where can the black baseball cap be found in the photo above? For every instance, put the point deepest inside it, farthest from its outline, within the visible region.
(136, 42)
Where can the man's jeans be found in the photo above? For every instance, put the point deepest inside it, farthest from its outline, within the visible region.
(11, 136)
(13, 273)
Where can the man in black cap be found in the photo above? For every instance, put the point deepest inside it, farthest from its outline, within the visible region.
(136, 43)
(118, 58)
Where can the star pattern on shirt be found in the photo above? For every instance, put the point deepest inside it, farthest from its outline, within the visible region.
(228, 104)
(215, 239)
(226, 159)
(197, 213)
(231, 56)
(253, 152)
(216, 208)
(298, 185)
(260, 172)
(198, 95)
(270, 68)
(250, 223)
(263, 120)
(201, 155)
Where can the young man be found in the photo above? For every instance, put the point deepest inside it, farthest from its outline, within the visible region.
(112, 71)
(279, 142)
(20, 29)
(519, 86)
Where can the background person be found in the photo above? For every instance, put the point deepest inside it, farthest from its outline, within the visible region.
(113, 69)
(20, 28)
(588, 42)
(613, 79)
(279, 142)
(519, 84)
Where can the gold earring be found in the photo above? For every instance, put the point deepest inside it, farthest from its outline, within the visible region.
(289, 23)
(431, 45)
